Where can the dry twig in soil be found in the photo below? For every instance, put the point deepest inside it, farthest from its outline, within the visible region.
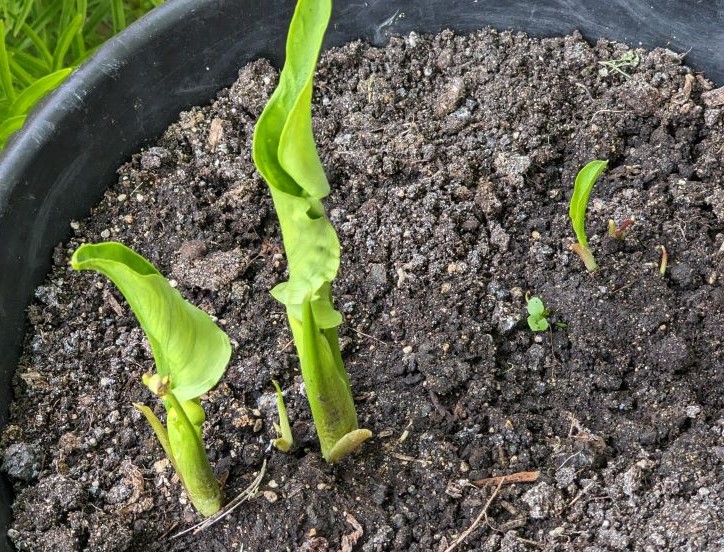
(242, 497)
(519, 477)
(482, 516)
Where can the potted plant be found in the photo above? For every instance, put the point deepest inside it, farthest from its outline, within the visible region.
(120, 100)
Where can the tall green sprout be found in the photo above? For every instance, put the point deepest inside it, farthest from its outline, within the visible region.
(285, 154)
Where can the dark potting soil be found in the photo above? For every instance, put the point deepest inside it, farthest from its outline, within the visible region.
(451, 161)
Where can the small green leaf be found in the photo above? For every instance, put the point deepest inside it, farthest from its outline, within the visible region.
(186, 344)
(286, 156)
(537, 314)
(535, 306)
(585, 179)
(537, 323)
(39, 45)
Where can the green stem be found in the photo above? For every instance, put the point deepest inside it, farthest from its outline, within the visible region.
(190, 457)
(586, 256)
(328, 390)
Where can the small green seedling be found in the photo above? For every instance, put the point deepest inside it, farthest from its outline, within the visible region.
(190, 352)
(618, 232)
(585, 179)
(537, 314)
(285, 440)
(663, 265)
(286, 156)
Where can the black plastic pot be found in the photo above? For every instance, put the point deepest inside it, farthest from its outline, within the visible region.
(182, 53)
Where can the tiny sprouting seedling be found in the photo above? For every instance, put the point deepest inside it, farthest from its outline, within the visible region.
(285, 440)
(618, 232)
(537, 314)
(190, 352)
(286, 156)
(585, 179)
(628, 60)
(664, 260)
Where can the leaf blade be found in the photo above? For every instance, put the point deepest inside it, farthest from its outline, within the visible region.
(185, 342)
(585, 179)
(33, 93)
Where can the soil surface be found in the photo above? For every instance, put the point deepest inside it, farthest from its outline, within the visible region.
(451, 161)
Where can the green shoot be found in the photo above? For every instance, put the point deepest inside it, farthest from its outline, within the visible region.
(663, 265)
(585, 179)
(537, 314)
(285, 440)
(286, 156)
(190, 352)
(618, 232)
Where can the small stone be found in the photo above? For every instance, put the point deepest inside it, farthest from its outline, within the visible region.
(153, 158)
(714, 98)
(451, 96)
(122, 197)
(378, 274)
(711, 117)
(105, 234)
(543, 501)
(21, 461)
(270, 496)
(684, 275)
(407, 350)
(505, 316)
(74, 224)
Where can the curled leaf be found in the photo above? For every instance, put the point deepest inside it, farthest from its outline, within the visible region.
(186, 344)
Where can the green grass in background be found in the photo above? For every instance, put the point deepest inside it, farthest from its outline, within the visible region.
(42, 41)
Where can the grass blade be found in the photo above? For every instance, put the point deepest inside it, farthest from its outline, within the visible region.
(65, 40)
(32, 64)
(6, 77)
(22, 16)
(21, 76)
(78, 47)
(43, 50)
(32, 94)
(9, 126)
(118, 16)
